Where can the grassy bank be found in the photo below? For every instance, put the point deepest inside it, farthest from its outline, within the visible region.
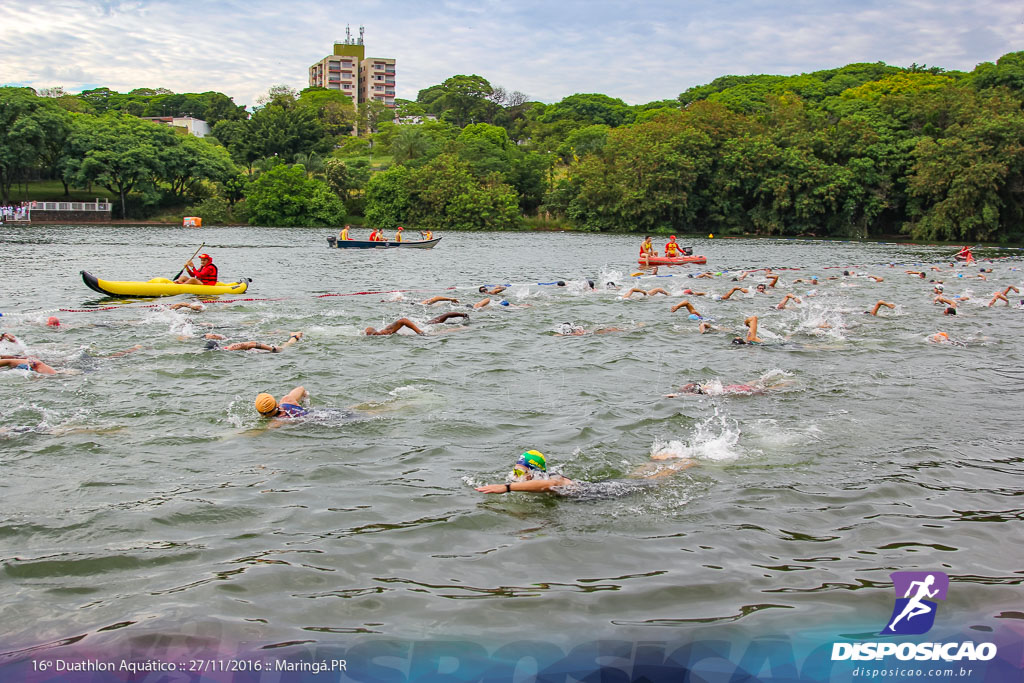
(53, 191)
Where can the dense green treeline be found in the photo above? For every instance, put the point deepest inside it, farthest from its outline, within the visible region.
(859, 151)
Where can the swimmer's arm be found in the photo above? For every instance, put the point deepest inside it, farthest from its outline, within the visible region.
(295, 396)
(531, 486)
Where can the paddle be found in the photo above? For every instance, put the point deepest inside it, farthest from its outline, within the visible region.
(186, 262)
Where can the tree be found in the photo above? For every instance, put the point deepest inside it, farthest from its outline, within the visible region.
(372, 112)
(588, 109)
(121, 153)
(332, 108)
(285, 196)
(237, 137)
(461, 99)
(1008, 71)
(191, 160)
(22, 133)
(283, 130)
(388, 198)
(410, 142)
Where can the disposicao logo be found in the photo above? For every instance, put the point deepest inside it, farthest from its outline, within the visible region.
(912, 615)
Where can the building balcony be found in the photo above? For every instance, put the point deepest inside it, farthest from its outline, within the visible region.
(391, 83)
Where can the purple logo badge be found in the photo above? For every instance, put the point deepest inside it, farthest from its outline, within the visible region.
(914, 611)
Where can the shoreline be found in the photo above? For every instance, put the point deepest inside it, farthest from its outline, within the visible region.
(880, 239)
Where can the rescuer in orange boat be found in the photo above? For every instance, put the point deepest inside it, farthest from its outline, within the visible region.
(671, 248)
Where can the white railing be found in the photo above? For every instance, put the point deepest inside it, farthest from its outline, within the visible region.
(70, 206)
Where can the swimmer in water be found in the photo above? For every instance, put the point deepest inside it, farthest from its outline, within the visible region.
(290, 405)
(192, 306)
(250, 345)
(874, 311)
(445, 317)
(752, 338)
(1001, 296)
(438, 299)
(715, 389)
(734, 290)
(530, 475)
(496, 289)
(645, 292)
(786, 299)
(33, 364)
(393, 327)
(685, 303)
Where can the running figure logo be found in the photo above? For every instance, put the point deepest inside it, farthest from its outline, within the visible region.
(914, 614)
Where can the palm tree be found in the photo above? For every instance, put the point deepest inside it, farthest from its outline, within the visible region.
(409, 143)
(313, 162)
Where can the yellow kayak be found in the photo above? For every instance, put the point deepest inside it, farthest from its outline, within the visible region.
(159, 286)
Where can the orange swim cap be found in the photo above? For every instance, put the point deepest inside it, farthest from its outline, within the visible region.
(266, 404)
(52, 321)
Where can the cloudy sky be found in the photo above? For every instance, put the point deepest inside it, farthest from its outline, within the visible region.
(637, 50)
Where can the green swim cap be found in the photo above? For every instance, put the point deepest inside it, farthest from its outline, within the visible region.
(534, 460)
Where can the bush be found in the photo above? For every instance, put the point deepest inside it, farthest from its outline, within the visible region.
(217, 211)
(285, 196)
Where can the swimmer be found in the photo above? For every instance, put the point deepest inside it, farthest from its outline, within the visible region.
(786, 299)
(33, 364)
(716, 389)
(690, 292)
(530, 475)
(250, 345)
(290, 405)
(445, 317)
(438, 299)
(570, 330)
(771, 276)
(483, 303)
(496, 289)
(685, 303)
(761, 289)
(734, 290)
(811, 281)
(1001, 296)
(876, 278)
(193, 306)
(752, 338)
(649, 292)
(393, 327)
(874, 311)
(7, 336)
(915, 272)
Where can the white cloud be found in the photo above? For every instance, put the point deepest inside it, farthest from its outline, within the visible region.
(637, 51)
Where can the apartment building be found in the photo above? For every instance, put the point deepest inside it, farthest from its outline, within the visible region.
(349, 70)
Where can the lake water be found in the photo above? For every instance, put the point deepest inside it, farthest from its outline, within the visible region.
(143, 496)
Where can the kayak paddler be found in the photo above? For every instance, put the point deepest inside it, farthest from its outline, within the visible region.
(206, 274)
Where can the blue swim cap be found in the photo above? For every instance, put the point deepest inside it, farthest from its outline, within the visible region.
(694, 316)
(504, 303)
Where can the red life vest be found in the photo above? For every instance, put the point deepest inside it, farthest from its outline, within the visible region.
(207, 274)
